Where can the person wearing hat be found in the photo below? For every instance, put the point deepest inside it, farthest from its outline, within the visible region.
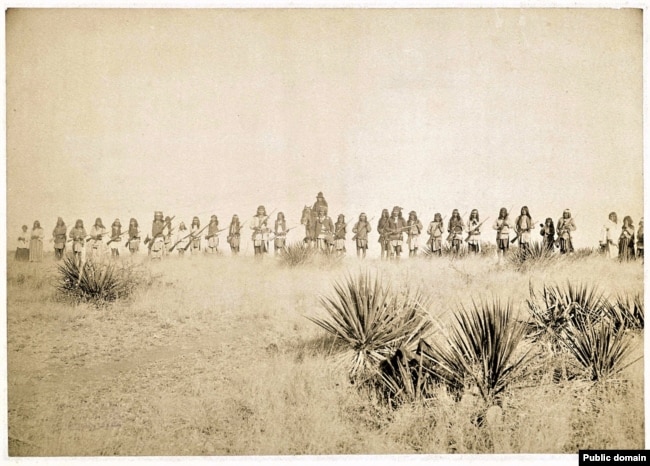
(361, 230)
(320, 203)
(157, 241)
(234, 235)
(396, 228)
(413, 230)
(259, 225)
(134, 236)
(455, 230)
(639, 240)
(116, 238)
(384, 234)
(435, 230)
(565, 227)
(195, 238)
(610, 234)
(59, 236)
(97, 232)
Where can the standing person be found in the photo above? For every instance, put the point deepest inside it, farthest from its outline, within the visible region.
(523, 225)
(97, 233)
(320, 203)
(384, 234)
(78, 237)
(59, 236)
(157, 241)
(610, 234)
(435, 231)
(413, 229)
(213, 235)
(182, 239)
(396, 227)
(324, 231)
(36, 243)
(455, 230)
(502, 225)
(116, 238)
(134, 236)
(547, 230)
(279, 233)
(259, 225)
(639, 240)
(474, 232)
(22, 250)
(234, 233)
(340, 231)
(167, 235)
(565, 227)
(195, 238)
(626, 240)
(361, 230)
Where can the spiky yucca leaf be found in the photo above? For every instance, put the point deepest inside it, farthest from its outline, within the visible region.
(297, 253)
(598, 347)
(536, 255)
(373, 320)
(99, 282)
(627, 312)
(557, 306)
(482, 349)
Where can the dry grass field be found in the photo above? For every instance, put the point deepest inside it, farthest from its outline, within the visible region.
(214, 356)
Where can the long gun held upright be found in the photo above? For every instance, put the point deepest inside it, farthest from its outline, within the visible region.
(354, 238)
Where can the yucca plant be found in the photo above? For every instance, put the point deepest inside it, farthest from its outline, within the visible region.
(402, 379)
(536, 255)
(627, 312)
(99, 282)
(482, 349)
(297, 253)
(555, 307)
(373, 320)
(598, 347)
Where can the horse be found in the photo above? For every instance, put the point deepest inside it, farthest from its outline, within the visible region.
(308, 220)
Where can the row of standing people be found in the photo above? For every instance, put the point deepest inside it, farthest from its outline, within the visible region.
(616, 242)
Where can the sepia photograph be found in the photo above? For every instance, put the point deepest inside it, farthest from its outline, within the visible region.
(263, 232)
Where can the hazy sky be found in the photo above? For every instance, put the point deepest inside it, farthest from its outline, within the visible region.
(117, 113)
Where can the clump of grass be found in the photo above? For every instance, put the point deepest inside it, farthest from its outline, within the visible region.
(598, 347)
(97, 282)
(583, 253)
(373, 320)
(482, 350)
(536, 255)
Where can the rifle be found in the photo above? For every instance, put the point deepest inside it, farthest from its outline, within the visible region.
(216, 234)
(354, 238)
(559, 233)
(469, 233)
(282, 234)
(266, 218)
(193, 237)
(177, 242)
(512, 241)
(148, 240)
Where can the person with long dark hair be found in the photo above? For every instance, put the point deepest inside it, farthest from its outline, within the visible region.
(361, 230)
(59, 236)
(626, 240)
(523, 226)
(547, 231)
(474, 232)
